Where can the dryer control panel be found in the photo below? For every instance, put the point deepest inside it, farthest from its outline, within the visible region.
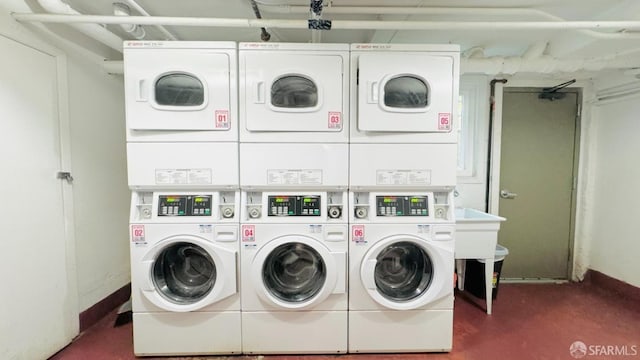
(409, 205)
(294, 205)
(184, 205)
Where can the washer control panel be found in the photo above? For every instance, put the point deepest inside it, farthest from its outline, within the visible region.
(294, 205)
(406, 205)
(184, 205)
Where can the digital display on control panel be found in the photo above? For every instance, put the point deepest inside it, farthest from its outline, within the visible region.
(294, 205)
(402, 206)
(184, 205)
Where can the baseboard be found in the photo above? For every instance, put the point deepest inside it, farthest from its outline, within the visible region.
(98, 311)
(606, 282)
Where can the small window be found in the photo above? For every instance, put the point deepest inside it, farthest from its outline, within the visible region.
(294, 92)
(179, 90)
(406, 92)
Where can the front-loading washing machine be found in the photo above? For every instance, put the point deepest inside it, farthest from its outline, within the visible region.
(184, 271)
(181, 114)
(401, 264)
(294, 272)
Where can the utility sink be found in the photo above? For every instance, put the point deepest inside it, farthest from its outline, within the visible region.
(465, 215)
(476, 233)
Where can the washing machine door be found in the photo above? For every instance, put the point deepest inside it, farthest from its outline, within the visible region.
(186, 273)
(177, 89)
(404, 272)
(298, 272)
(405, 93)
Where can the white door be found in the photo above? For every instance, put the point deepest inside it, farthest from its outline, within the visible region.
(38, 306)
(405, 272)
(178, 89)
(405, 93)
(293, 92)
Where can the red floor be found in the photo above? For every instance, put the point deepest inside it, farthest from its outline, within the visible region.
(529, 321)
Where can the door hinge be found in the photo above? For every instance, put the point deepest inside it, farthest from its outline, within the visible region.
(65, 175)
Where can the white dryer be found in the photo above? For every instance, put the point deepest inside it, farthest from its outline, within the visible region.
(294, 93)
(404, 93)
(401, 268)
(184, 270)
(181, 90)
(181, 111)
(294, 272)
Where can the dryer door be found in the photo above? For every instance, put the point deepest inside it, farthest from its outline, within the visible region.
(177, 89)
(186, 273)
(404, 272)
(405, 93)
(298, 272)
(293, 92)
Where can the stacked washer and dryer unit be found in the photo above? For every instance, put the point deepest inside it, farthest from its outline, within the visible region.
(403, 150)
(294, 179)
(328, 229)
(182, 153)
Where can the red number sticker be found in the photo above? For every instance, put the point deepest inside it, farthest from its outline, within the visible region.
(335, 120)
(444, 121)
(222, 119)
(357, 233)
(137, 233)
(248, 233)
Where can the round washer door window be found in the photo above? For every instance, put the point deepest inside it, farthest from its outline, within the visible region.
(403, 271)
(294, 272)
(184, 273)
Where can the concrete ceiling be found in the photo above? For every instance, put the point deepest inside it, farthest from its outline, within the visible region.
(562, 44)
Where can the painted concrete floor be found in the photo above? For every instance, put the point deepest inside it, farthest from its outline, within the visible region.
(529, 321)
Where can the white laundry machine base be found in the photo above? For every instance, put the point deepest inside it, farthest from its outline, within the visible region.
(400, 331)
(297, 332)
(165, 333)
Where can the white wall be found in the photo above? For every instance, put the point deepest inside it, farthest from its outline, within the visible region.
(98, 161)
(101, 196)
(472, 187)
(614, 246)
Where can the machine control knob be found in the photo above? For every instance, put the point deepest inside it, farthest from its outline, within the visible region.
(335, 212)
(254, 212)
(146, 213)
(227, 212)
(361, 212)
(440, 213)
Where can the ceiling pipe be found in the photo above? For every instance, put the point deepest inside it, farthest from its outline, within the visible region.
(140, 10)
(471, 11)
(336, 24)
(93, 30)
(136, 31)
(536, 50)
(315, 13)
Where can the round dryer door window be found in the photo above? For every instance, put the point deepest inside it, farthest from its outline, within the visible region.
(403, 271)
(294, 272)
(184, 273)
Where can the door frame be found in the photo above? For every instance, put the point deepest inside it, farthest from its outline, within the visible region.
(29, 39)
(578, 245)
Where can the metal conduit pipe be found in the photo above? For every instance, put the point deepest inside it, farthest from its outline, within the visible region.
(135, 6)
(88, 28)
(392, 10)
(336, 24)
(264, 34)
